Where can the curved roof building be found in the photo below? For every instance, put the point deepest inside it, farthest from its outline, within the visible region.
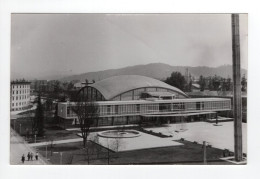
(128, 87)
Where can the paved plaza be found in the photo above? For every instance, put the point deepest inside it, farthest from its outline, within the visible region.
(218, 136)
(221, 136)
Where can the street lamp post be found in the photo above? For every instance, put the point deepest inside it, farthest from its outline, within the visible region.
(204, 153)
(14, 128)
(61, 158)
(20, 129)
(46, 152)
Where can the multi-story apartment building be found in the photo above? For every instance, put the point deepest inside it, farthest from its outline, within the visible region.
(20, 95)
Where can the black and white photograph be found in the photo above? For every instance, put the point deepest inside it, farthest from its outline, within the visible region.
(128, 89)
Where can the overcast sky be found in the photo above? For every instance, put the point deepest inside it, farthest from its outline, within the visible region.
(45, 45)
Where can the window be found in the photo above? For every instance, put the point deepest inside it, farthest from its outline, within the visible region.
(138, 107)
(12, 104)
(164, 107)
(16, 97)
(108, 109)
(202, 105)
(68, 110)
(197, 105)
(116, 109)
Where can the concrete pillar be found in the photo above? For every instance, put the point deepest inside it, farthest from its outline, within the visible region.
(112, 121)
(237, 105)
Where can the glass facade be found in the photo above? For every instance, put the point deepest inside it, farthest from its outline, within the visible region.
(136, 93)
(120, 111)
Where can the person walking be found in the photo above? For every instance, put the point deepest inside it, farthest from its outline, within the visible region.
(28, 156)
(36, 156)
(31, 156)
(23, 158)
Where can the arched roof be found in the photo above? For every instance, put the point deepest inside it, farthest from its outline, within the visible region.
(116, 85)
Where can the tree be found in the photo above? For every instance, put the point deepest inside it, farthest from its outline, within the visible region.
(57, 89)
(189, 86)
(216, 83)
(244, 83)
(86, 111)
(202, 83)
(228, 84)
(39, 117)
(56, 117)
(70, 86)
(177, 80)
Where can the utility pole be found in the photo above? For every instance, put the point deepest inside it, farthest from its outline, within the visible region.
(60, 158)
(204, 153)
(237, 105)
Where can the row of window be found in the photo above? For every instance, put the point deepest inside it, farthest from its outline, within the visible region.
(21, 86)
(135, 94)
(17, 109)
(21, 97)
(164, 107)
(20, 104)
(25, 91)
(106, 121)
(157, 108)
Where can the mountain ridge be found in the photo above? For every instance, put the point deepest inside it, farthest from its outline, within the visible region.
(155, 70)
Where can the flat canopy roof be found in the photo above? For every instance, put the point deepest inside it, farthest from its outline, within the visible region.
(155, 101)
(178, 114)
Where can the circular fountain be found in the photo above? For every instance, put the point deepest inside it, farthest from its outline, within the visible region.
(119, 134)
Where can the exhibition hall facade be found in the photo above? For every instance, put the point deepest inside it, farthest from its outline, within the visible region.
(133, 99)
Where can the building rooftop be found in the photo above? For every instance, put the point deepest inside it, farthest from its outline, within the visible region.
(20, 82)
(113, 86)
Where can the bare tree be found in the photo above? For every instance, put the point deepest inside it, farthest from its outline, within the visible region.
(87, 112)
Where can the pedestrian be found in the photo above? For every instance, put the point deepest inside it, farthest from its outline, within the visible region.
(23, 158)
(28, 156)
(31, 156)
(36, 156)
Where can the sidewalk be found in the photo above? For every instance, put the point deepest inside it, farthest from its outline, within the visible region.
(56, 142)
(18, 147)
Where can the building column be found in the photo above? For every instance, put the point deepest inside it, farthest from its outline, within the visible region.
(97, 121)
(157, 120)
(216, 117)
(112, 121)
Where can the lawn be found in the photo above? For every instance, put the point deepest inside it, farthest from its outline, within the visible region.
(189, 153)
(52, 131)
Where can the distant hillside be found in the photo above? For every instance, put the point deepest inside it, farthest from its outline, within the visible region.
(155, 70)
